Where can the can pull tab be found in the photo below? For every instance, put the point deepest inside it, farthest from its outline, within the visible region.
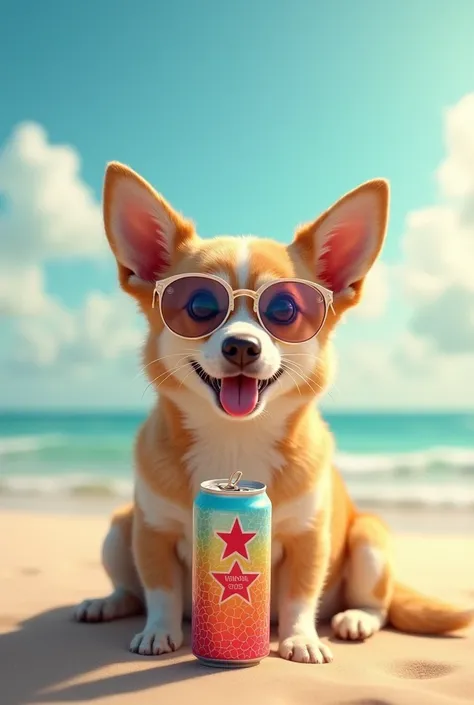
(233, 481)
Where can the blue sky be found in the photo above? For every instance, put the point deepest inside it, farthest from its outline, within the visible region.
(248, 117)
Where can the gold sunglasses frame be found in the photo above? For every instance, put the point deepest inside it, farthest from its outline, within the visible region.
(163, 284)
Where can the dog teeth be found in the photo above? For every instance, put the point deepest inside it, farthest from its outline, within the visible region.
(216, 383)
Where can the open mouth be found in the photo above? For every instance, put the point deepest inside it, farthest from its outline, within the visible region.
(238, 395)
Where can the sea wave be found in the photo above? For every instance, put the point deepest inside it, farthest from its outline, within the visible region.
(416, 496)
(384, 493)
(73, 485)
(87, 451)
(99, 465)
(65, 449)
(17, 445)
(433, 460)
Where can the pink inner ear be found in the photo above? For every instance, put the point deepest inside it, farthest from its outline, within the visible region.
(142, 247)
(343, 253)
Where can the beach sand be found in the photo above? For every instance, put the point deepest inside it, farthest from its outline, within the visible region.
(50, 561)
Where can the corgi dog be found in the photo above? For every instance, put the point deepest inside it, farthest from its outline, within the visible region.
(239, 349)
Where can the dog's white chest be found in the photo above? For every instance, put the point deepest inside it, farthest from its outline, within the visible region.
(220, 448)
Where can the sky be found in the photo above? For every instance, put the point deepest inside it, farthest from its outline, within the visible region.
(249, 117)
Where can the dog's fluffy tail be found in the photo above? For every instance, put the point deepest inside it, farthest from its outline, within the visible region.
(414, 613)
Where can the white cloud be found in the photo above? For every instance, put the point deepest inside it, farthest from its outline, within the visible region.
(106, 328)
(39, 338)
(455, 174)
(375, 294)
(431, 363)
(49, 211)
(436, 273)
(447, 320)
(412, 375)
(438, 245)
(21, 290)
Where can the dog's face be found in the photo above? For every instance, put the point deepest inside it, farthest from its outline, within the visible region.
(242, 367)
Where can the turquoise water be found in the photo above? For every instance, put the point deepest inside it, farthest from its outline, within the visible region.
(392, 459)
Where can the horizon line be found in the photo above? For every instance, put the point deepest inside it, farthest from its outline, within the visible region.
(144, 411)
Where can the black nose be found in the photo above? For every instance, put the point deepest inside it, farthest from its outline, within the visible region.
(241, 350)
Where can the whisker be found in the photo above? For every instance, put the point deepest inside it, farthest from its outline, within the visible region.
(295, 364)
(265, 412)
(186, 376)
(301, 355)
(333, 387)
(327, 391)
(274, 378)
(183, 353)
(289, 370)
(304, 378)
(277, 377)
(170, 372)
(314, 358)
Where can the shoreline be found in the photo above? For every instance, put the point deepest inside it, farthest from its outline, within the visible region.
(432, 521)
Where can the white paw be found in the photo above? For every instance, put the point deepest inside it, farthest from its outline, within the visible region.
(155, 640)
(355, 625)
(104, 609)
(305, 649)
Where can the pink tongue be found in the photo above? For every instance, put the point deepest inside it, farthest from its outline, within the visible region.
(239, 395)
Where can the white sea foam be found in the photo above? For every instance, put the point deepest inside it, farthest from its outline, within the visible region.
(382, 492)
(441, 458)
(16, 445)
(420, 494)
(73, 484)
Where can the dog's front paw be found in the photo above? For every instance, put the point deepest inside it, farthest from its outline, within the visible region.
(155, 640)
(357, 625)
(104, 609)
(305, 648)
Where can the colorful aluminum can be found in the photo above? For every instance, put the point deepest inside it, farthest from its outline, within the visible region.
(231, 573)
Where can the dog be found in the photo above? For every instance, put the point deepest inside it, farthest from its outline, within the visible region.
(239, 349)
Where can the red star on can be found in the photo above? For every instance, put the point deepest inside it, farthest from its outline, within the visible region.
(236, 540)
(235, 583)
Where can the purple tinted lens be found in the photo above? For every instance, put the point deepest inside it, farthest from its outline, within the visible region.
(292, 311)
(194, 307)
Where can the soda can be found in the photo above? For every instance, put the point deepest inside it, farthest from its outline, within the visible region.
(231, 573)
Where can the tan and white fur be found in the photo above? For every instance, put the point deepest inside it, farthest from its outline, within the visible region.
(329, 559)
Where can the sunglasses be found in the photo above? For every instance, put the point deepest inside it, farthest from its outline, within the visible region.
(194, 306)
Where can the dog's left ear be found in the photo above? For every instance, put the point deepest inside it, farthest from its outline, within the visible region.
(343, 243)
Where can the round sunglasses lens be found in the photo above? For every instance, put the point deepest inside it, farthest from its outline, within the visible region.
(194, 307)
(292, 311)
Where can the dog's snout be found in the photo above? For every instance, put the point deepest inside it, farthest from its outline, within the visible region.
(241, 350)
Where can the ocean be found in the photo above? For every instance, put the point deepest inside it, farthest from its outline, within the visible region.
(396, 460)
